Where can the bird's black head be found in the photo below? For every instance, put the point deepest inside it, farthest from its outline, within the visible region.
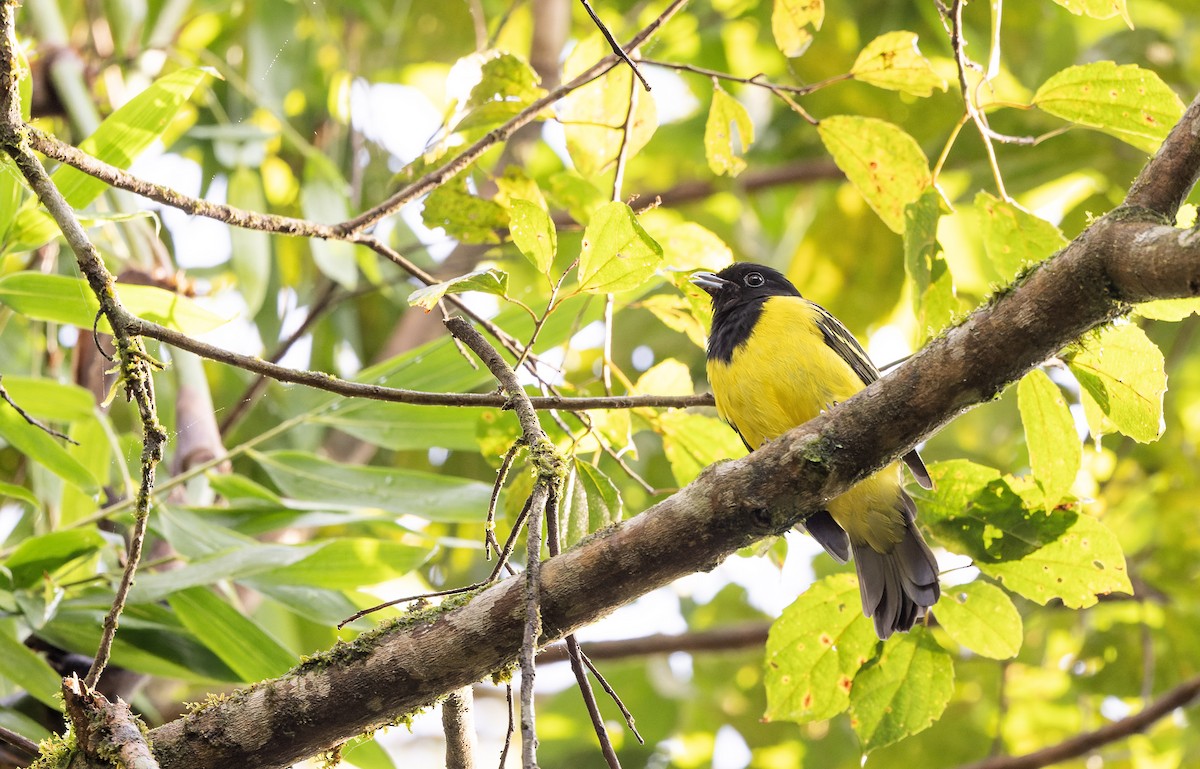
(743, 283)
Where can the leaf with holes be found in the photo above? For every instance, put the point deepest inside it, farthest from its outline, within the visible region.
(894, 62)
(1013, 238)
(533, 233)
(725, 115)
(790, 20)
(1123, 379)
(814, 651)
(488, 281)
(617, 253)
(1055, 450)
(982, 618)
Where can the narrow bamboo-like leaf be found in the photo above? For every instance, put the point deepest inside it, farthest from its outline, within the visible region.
(13, 491)
(46, 552)
(534, 233)
(1125, 101)
(894, 62)
(1098, 9)
(790, 20)
(31, 228)
(1123, 379)
(47, 399)
(904, 692)
(981, 617)
(1055, 450)
(349, 563)
(128, 131)
(426, 495)
(884, 163)
(230, 564)
(815, 650)
(240, 643)
(251, 249)
(1013, 238)
(402, 426)
(489, 281)
(12, 191)
(44, 449)
(603, 496)
(725, 116)
(617, 253)
(63, 299)
(28, 669)
(593, 117)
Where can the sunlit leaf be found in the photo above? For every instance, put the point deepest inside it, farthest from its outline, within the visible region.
(727, 119)
(1123, 379)
(1172, 310)
(617, 253)
(507, 85)
(579, 196)
(1055, 450)
(426, 495)
(489, 280)
(893, 61)
(884, 163)
(13, 491)
(241, 644)
(230, 564)
(687, 246)
(790, 20)
(50, 400)
(934, 300)
(400, 426)
(323, 199)
(814, 651)
(1098, 9)
(593, 117)
(63, 299)
(675, 313)
(130, 130)
(592, 502)
(534, 234)
(1014, 238)
(348, 563)
(904, 692)
(1125, 101)
(982, 618)
(692, 442)
(464, 216)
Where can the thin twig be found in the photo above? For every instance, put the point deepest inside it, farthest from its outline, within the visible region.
(612, 41)
(18, 741)
(35, 423)
(758, 80)
(508, 733)
(958, 43)
(612, 693)
(135, 364)
(490, 523)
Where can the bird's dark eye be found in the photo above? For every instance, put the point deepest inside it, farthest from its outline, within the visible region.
(754, 279)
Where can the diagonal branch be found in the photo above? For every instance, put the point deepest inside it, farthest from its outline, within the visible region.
(372, 680)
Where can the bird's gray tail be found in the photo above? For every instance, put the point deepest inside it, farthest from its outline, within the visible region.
(897, 587)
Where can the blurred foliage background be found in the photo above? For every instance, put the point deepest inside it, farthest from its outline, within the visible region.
(282, 510)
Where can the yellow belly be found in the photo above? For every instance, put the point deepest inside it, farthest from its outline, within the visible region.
(786, 375)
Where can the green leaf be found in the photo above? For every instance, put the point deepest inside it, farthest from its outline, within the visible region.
(44, 449)
(577, 195)
(593, 502)
(13, 491)
(1126, 101)
(686, 245)
(1171, 310)
(934, 301)
(1013, 238)
(675, 313)
(593, 116)
(464, 216)
(692, 442)
(884, 163)
(251, 249)
(402, 426)
(426, 495)
(489, 281)
(814, 651)
(507, 85)
(617, 253)
(231, 564)
(534, 234)
(1098, 9)
(47, 552)
(47, 399)
(324, 199)
(1123, 379)
(790, 20)
(32, 228)
(12, 192)
(241, 644)
(894, 62)
(349, 563)
(28, 669)
(1084, 562)
(1055, 450)
(130, 130)
(904, 692)
(62, 299)
(982, 618)
(719, 146)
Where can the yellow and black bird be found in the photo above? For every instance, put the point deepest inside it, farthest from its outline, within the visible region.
(775, 361)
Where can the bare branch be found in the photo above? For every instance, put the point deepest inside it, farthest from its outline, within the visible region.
(459, 725)
(612, 41)
(748, 636)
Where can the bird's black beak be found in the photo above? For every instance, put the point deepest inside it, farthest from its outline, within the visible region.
(709, 281)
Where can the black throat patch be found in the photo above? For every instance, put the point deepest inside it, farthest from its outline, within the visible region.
(731, 328)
